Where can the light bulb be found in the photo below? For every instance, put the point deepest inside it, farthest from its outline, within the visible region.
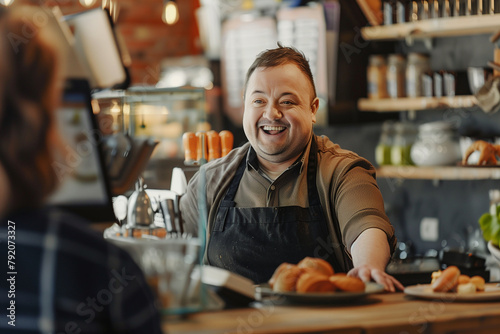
(87, 3)
(6, 3)
(170, 13)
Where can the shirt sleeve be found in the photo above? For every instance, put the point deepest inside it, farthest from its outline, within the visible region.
(359, 203)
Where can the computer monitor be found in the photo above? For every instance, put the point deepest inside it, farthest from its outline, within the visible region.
(84, 186)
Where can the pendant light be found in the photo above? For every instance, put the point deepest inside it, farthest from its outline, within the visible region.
(6, 3)
(170, 13)
(112, 7)
(87, 3)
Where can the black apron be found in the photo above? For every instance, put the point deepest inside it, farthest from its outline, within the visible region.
(253, 242)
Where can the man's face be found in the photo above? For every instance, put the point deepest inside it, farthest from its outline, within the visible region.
(280, 110)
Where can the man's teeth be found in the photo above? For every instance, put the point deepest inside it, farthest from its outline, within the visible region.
(273, 128)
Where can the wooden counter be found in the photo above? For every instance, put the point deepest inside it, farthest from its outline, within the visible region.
(381, 313)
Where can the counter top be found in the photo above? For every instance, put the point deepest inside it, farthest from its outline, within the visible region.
(380, 313)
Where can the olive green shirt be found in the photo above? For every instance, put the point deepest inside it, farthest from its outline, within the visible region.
(346, 183)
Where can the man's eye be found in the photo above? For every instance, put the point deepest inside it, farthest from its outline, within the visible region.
(287, 102)
(258, 101)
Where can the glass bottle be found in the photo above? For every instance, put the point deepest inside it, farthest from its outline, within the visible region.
(403, 11)
(376, 76)
(396, 76)
(383, 148)
(405, 133)
(416, 65)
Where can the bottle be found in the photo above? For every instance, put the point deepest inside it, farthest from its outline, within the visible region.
(414, 11)
(416, 65)
(438, 83)
(427, 89)
(390, 11)
(376, 77)
(403, 11)
(383, 148)
(404, 138)
(396, 76)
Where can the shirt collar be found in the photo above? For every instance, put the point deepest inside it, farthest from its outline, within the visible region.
(253, 162)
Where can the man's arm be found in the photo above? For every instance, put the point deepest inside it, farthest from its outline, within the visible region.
(370, 255)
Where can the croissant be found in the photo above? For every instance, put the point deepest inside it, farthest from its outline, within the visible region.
(488, 152)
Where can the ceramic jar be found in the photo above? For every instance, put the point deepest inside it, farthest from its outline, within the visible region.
(436, 145)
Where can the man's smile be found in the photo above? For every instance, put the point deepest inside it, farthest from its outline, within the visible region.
(273, 130)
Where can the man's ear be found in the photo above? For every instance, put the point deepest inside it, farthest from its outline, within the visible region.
(314, 108)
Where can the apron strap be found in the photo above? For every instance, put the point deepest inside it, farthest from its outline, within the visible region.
(228, 200)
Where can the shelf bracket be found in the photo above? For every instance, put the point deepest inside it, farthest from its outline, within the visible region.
(409, 40)
(412, 115)
(436, 182)
(427, 43)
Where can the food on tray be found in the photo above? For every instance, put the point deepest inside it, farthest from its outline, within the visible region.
(312, 275)
(451, 280)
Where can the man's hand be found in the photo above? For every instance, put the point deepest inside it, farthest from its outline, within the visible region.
(370, 255)
(366, 274)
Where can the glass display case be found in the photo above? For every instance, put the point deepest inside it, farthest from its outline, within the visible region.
(162, 114)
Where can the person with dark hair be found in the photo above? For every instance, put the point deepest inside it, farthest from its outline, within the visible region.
(61, 277)
(287, 193)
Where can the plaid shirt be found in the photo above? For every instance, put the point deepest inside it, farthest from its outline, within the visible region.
(67, 279)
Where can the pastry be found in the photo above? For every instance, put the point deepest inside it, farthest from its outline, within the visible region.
(466, 288)
(478, 281)
(447, 280)
(463, 279)
(347, 283)
(317, 264)
(277, 272)
(287, 279)
(311, 281)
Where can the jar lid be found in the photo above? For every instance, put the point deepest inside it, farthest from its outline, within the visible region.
(417, 57)
(377, 60)
(436, 126)
(396, 58)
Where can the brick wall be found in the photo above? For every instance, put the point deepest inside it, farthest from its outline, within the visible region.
(146, 37)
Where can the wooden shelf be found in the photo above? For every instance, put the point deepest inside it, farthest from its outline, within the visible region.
(439, 173)
(416, 103)
(440, 27)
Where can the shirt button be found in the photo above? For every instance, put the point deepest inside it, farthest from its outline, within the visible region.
(273, 187)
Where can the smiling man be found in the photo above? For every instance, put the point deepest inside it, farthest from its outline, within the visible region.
(288, 193)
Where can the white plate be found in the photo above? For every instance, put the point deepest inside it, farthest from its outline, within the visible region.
(263, 291)
(491, 292)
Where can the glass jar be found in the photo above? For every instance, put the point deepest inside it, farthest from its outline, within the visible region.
(416, 65)
(376, 76)
(383, 148)
(437, 145)
(396, 76)
(404, 138)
